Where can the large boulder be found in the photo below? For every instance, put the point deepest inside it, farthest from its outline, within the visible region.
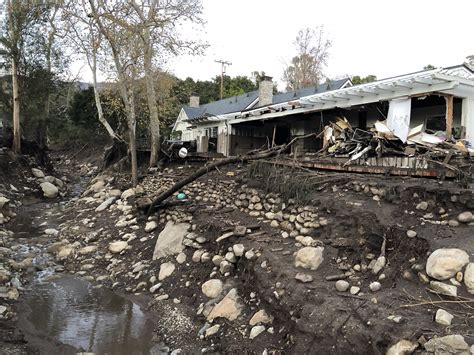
(170, 240)
(309, 257)
(444, 263)
(49, 190)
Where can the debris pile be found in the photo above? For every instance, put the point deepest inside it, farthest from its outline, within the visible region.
(424, 150)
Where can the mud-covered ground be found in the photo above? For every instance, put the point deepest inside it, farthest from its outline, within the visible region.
(299, 310)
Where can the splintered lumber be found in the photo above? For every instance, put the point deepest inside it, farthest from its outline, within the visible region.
(254, 155)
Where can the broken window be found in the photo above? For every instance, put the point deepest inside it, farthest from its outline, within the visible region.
(435, 123)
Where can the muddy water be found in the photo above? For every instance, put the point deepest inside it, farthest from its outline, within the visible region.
(60, 313)
(71, 311)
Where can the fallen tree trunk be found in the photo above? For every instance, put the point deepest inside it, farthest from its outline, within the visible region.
(254, 155)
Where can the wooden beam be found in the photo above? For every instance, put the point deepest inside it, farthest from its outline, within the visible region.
(449, 115)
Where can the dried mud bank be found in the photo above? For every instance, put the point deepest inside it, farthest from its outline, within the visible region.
(356, 264)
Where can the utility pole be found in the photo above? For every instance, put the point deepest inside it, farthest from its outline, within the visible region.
(223, 64)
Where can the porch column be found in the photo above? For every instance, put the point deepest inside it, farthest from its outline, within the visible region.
(467, 118)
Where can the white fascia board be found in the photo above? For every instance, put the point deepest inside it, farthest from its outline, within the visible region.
(252, 104)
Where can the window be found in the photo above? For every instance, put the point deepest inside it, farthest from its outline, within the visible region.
(211, 132)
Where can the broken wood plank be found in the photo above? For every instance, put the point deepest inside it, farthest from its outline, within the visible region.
(449, 115)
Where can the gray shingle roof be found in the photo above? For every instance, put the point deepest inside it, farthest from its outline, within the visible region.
(241, 102)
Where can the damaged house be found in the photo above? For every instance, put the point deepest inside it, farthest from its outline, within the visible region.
(388, 123)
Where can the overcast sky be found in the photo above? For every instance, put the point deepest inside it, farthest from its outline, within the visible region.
(369, 37)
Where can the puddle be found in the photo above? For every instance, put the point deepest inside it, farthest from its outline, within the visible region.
(70, 311)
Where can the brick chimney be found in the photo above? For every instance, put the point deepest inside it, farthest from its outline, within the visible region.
(265, 91)
(194, 100)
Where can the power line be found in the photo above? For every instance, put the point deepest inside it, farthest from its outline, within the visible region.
(223, 64)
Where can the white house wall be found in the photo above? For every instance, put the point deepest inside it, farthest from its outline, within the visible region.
(187, 133)
(467, 118)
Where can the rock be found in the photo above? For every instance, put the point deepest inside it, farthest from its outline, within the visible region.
(212, 330)
(238, 249)
(423, 205)
(256, 331)
(155, 288)
(181, 258)
(229, 307)
(309, 257)
(444, 263)
(118, 246)
(106, 204)
(88, 250)
(260, 317)
(3, 201)
(170, 240)
(469, 277)
(453, 223)
(37, 173)
(403, 347)
(411, 233)
(197, 255)
(342, 285)
(166, 269)
(303, 277)
(375, 286)
(225, 267)
(379, 265)
(49, 190)
(444, 289)
(51, 231)
(212, 288)
(354, 290)
(442, 317)
(465, 217)
(127, 193)
(65, 252)
(239, 231)
(449, 344)
(230, 257)
(217, 259)
(151, 226)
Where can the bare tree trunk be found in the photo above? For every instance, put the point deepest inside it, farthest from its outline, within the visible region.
(16, 109)
(132, 143)
(152, 106)
(98, 103)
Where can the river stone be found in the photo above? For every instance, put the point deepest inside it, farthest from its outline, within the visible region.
(106, 204)
(256, 331)
(3, 201)
(238, 249)
(170, 240)
(444, 263)
(212, 288)
(51, 231)
(166, 269)
(309, 257)
(442, 317)
(49, 190)
(151, 226)
(411, 233)
(469, 277)
(423, 205)
(97, 186)
(403, 347)
(449, 344)
(118, 246)
(303, 277)
(229, 307)
(465, 217)
(212, 330)
(445, 289)
(181, 258)
(375, 286)
(127, 193)
(65, 252)
(260, 317)
(342, 285)
(88, 250)
(37, 173)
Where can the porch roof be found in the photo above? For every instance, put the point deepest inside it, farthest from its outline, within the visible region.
(457, 81)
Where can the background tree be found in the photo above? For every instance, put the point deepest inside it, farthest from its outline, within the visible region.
(429, 67)
(356, 79)
(306, 68)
